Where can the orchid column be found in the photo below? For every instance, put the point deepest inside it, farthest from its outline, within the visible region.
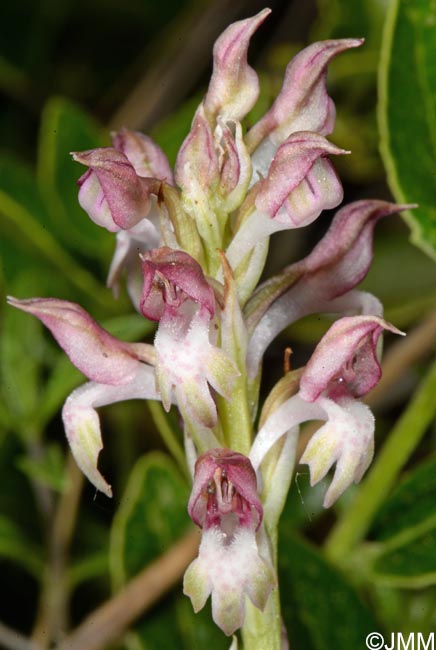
(192, 247)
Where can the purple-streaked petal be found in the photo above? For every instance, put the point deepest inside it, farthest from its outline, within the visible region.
(291, 166)
(234, 86)
(111, 192)
(303, 103)
(147, 158)
(345, 360)
(82, 424)
(336, 265)
(95, 352)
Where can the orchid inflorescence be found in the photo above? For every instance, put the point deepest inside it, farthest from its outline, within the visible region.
(192, 246)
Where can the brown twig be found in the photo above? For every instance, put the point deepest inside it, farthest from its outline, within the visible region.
(109, 621)
(12, 640)
(52, 620)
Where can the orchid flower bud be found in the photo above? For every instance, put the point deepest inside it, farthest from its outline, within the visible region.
(111, 192)
(300, 168)
(225, 504)
(301, 182)
(234, 86)
(302, 105)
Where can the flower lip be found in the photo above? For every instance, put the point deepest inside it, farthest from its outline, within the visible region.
(224, 494)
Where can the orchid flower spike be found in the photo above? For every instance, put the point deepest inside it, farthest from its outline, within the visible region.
(193, 244)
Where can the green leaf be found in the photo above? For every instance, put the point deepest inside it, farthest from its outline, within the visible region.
(151, 517)
(404, 531)
(407, 113)
(320, 609)
(25, 223)
(14, 546)
(410, 565)
(21, 353)
(66, 128)
(410, 505)
(47, 470)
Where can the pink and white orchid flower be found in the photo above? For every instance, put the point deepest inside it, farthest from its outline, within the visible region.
(343, 367)
(225, 504)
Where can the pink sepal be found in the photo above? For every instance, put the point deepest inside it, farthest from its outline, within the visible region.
(111, 192)
(147, 158)
(95, 352)
(345, 360)
(234, 86)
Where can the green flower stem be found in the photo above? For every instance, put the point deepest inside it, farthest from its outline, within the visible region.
(168, 435)
(263, 630)
(235, 419)
(404, 438)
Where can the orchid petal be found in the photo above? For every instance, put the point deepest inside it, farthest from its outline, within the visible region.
(303, 103)
(290, 167)
(347, 439)
(111, 192)
(95, 352)
(170, 278)
(82, 424)
(188, 362)
(228, 571)
(146, 157)
(239, 474)
(337, 263)
(345, 358)
(234, 86)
